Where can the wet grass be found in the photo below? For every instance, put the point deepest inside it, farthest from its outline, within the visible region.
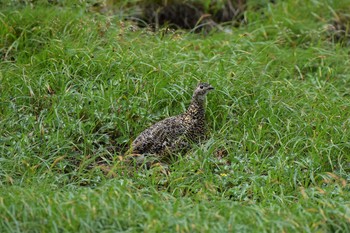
(77, 87)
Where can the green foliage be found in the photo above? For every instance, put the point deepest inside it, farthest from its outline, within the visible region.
(76, 88)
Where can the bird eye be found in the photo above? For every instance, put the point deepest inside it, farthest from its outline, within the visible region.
(201, 87)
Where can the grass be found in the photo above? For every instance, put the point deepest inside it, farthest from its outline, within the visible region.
(77, 87)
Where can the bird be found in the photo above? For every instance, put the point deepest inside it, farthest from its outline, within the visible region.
(176, 133)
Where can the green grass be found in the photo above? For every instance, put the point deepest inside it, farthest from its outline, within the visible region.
(77, 87)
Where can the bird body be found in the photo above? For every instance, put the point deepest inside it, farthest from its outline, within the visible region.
(175, 133)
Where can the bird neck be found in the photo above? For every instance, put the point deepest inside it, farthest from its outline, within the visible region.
(196, 109)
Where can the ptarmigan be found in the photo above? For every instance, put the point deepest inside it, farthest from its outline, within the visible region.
(175, 133)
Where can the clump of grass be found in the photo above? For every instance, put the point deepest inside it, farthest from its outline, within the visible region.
(77, 87)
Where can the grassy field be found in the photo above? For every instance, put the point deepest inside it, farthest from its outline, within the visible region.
(77, 87)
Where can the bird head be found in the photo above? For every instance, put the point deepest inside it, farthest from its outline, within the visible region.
(202, 90)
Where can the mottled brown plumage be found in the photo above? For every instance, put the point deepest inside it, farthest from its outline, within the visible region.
(175, 133)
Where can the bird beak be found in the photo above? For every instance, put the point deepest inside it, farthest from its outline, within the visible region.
(211, 88)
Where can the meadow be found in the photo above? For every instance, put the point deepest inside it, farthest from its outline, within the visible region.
(76, 87)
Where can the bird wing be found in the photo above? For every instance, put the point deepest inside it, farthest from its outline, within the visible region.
(159, 135)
